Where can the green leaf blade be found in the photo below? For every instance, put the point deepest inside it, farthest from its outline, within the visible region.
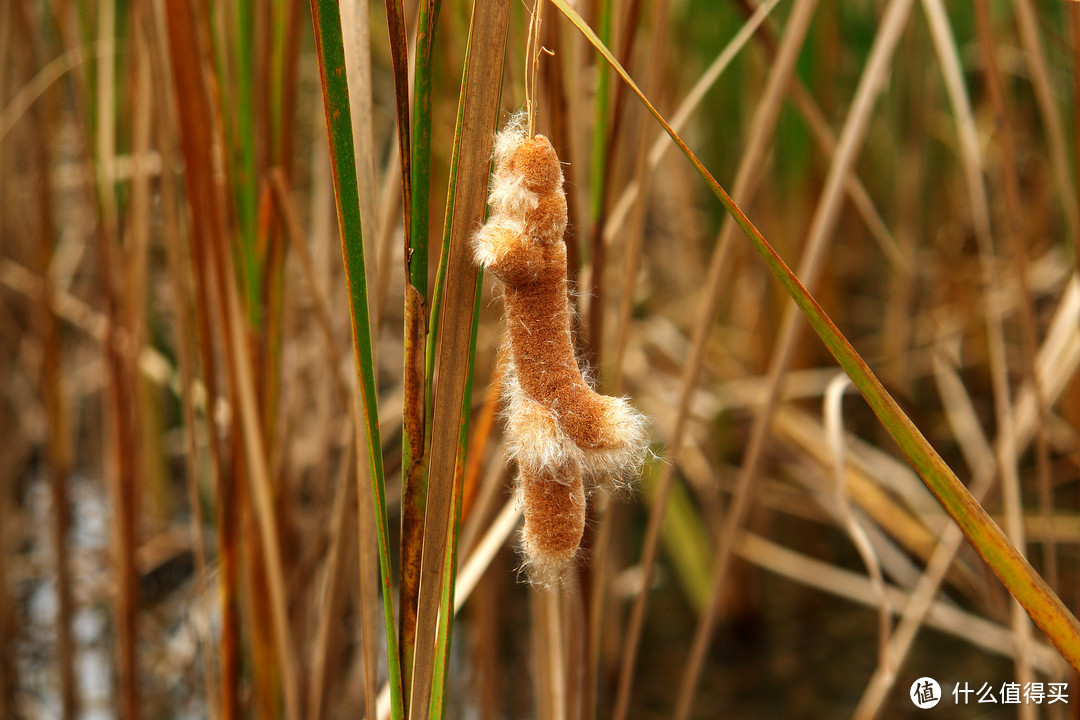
(331, 53)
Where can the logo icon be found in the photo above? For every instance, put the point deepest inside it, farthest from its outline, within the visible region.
(925, 692)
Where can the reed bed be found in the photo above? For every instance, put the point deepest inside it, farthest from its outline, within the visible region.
(262, 419)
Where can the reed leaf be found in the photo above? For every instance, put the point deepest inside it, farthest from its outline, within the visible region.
(414, 395)
(331, 52)
(437, 706)
(483, 81)
(446, 599)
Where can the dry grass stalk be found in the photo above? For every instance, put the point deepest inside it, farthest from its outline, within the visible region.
(180, 274)
(342, 541)
(53, 391)
(1019, 247)
(1027, 23)
(960, 414)
(819, 237)
(948, 58)
(766, 116)
(942, 615)
(834, 422)
(122, 467)
(637, 217)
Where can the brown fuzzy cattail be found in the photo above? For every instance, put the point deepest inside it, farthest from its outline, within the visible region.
(559, 429)
(554, 520)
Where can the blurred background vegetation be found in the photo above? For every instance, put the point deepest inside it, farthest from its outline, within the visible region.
(181, 532)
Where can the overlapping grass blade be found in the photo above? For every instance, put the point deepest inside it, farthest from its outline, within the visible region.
(446, 599)
(1015, 572)
(330, 49)
(483, 81)
(417, 190)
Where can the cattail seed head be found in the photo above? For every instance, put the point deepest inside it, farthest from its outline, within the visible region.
(535, 161)
(547, 221)
(554, 520)
(560, 430)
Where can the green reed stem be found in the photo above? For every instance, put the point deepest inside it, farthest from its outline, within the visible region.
(331, 52)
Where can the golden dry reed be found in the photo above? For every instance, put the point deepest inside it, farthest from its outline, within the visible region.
(561, 432)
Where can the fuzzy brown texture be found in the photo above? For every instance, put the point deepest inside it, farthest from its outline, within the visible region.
(547, 222)
(560, 431)
(554, 519)
(532, 266)
(539, 325)
(535, 160)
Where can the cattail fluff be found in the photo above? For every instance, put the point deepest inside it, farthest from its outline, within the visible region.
(560, 431)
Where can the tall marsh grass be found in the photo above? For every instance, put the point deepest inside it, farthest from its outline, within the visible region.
(254, 460)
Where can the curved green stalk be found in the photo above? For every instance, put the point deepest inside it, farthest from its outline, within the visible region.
(331, 52)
